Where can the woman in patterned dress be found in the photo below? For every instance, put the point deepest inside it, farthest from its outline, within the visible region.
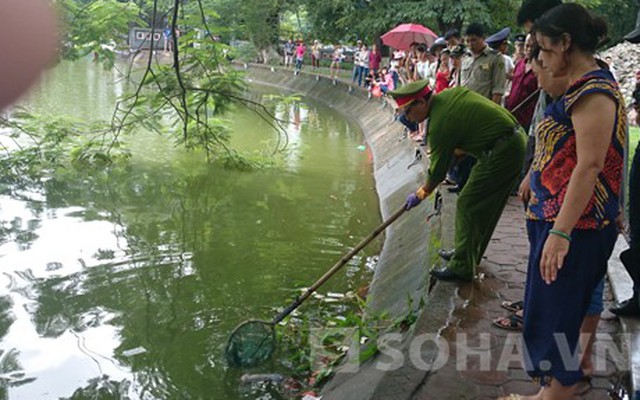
(576, 181)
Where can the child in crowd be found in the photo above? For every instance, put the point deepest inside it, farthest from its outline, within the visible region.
(422, 63)
(387, 83)
(403, 73)
(383, 83)
(316, 54)
(370, 79)
(300, 51)
(289, 50)
(443, 74)
(336, 60)
(456, 64)
(393, 70)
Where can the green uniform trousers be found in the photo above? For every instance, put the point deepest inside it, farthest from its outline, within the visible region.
(482, 200)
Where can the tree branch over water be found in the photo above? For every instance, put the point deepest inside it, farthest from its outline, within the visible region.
(193, 92)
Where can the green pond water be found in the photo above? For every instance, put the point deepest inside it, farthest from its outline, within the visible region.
(126, 284)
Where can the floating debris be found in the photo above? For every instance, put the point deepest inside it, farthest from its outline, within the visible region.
(371, 263)
(255, 378)
(134, 351)
(54, 266)
(331, 300)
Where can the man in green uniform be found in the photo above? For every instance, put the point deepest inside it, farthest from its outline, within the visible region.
(460, 122)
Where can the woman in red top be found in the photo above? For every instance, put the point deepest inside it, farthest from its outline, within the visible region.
(374, 59)
(524, 84)
(444, 72)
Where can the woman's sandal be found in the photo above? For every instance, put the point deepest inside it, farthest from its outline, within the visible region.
(513, 323)
(513, 306)
(584, 385)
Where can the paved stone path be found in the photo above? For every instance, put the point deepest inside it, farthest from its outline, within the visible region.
(497, 371)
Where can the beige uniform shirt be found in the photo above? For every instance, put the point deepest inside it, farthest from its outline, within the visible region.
(485, 73)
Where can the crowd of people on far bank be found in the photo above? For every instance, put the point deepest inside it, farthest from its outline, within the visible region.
(441, 63)
(548, 122)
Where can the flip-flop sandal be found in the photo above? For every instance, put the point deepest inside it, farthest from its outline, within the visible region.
(584, 385)
(513, 306)
(511, 323)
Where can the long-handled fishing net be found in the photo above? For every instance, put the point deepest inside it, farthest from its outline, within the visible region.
(254, 341)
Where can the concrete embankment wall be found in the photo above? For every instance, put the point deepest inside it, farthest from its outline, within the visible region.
(402, 269)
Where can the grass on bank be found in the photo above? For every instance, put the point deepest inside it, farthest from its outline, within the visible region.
(634, 138)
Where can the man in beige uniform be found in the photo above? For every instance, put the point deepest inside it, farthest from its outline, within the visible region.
(483, 71)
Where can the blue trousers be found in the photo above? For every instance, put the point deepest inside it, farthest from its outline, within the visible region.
(363, 76)
(412, 126)
(553, 313)
(357, 74)
(461, 169)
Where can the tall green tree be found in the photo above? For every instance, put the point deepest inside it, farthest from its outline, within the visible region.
(623, 12)
(256, 21)
(335, 20)
(350, 19)
(95, 26)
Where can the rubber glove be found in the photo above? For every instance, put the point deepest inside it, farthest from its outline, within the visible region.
(415, 198)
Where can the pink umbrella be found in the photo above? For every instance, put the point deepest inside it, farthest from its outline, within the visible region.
(403, 35)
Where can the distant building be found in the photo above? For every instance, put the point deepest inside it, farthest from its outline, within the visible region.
(140, 39)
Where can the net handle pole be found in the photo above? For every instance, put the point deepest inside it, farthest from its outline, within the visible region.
(525, 101)
(338, 265)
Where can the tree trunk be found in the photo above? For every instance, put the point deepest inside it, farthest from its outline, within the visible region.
(444, 27)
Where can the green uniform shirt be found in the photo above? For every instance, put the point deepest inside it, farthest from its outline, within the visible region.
(462, 119)
(484, 73)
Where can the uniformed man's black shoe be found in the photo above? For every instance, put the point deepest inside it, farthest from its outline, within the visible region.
(454, 189)
(446, 274)
(628, 308)
(446, 255)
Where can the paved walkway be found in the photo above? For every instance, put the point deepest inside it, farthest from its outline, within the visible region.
(495, 369)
